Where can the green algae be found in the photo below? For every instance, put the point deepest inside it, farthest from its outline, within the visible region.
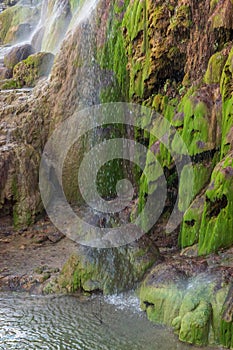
(191, 223)
(112, 55)
(215, 68)
(227, 102)
(218, 208)
(195, 308)
(161, 305)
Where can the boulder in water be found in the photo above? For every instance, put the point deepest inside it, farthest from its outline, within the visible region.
(34, 67)
(17, 54)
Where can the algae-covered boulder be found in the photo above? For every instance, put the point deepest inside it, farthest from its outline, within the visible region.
(17, 54)
(8, 84)
(27, 72)
(108, 270)
(191, 303)
(161, 293)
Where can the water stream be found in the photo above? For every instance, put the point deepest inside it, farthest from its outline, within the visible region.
(69, 323)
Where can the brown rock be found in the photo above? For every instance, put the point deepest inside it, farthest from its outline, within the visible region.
(17, 54)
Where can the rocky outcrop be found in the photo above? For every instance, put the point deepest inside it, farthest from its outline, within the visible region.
(30, 70)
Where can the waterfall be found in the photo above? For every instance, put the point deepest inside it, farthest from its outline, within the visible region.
(83, 12)
(56, 19)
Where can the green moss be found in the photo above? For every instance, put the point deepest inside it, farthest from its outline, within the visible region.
(27, 72)
(218, 208)
(227, 99)
(182, 18)
(109, 270)
(195, 129)
(195, 325)
(191, 223)
(215, 67)
(112, 55)
(195, 307)
(226, 336)
(201, 173)
(161, 304)
(9, 84)
(220, 336)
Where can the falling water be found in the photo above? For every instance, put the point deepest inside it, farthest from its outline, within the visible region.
(56, 19)
(83, 12)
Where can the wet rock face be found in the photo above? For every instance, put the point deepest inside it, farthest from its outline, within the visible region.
(108, 270)
(17, 54)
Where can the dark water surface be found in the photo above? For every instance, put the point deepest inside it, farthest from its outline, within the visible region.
(69, 323)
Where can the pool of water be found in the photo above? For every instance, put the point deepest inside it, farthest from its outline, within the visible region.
(67, 323)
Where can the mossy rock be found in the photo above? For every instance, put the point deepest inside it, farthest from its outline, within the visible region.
(5, 73)
(216, 229)
(192, 306)
(195, 325)
(34, 67)
(215, 68)
(201, 176)
(161, 294)
(154, 34)
(19, 32)
(109, 270)
(200, 129)
(227, 106)
(8, 84)
(191, 223)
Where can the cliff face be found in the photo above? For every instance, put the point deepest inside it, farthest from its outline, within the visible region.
(174, 57)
